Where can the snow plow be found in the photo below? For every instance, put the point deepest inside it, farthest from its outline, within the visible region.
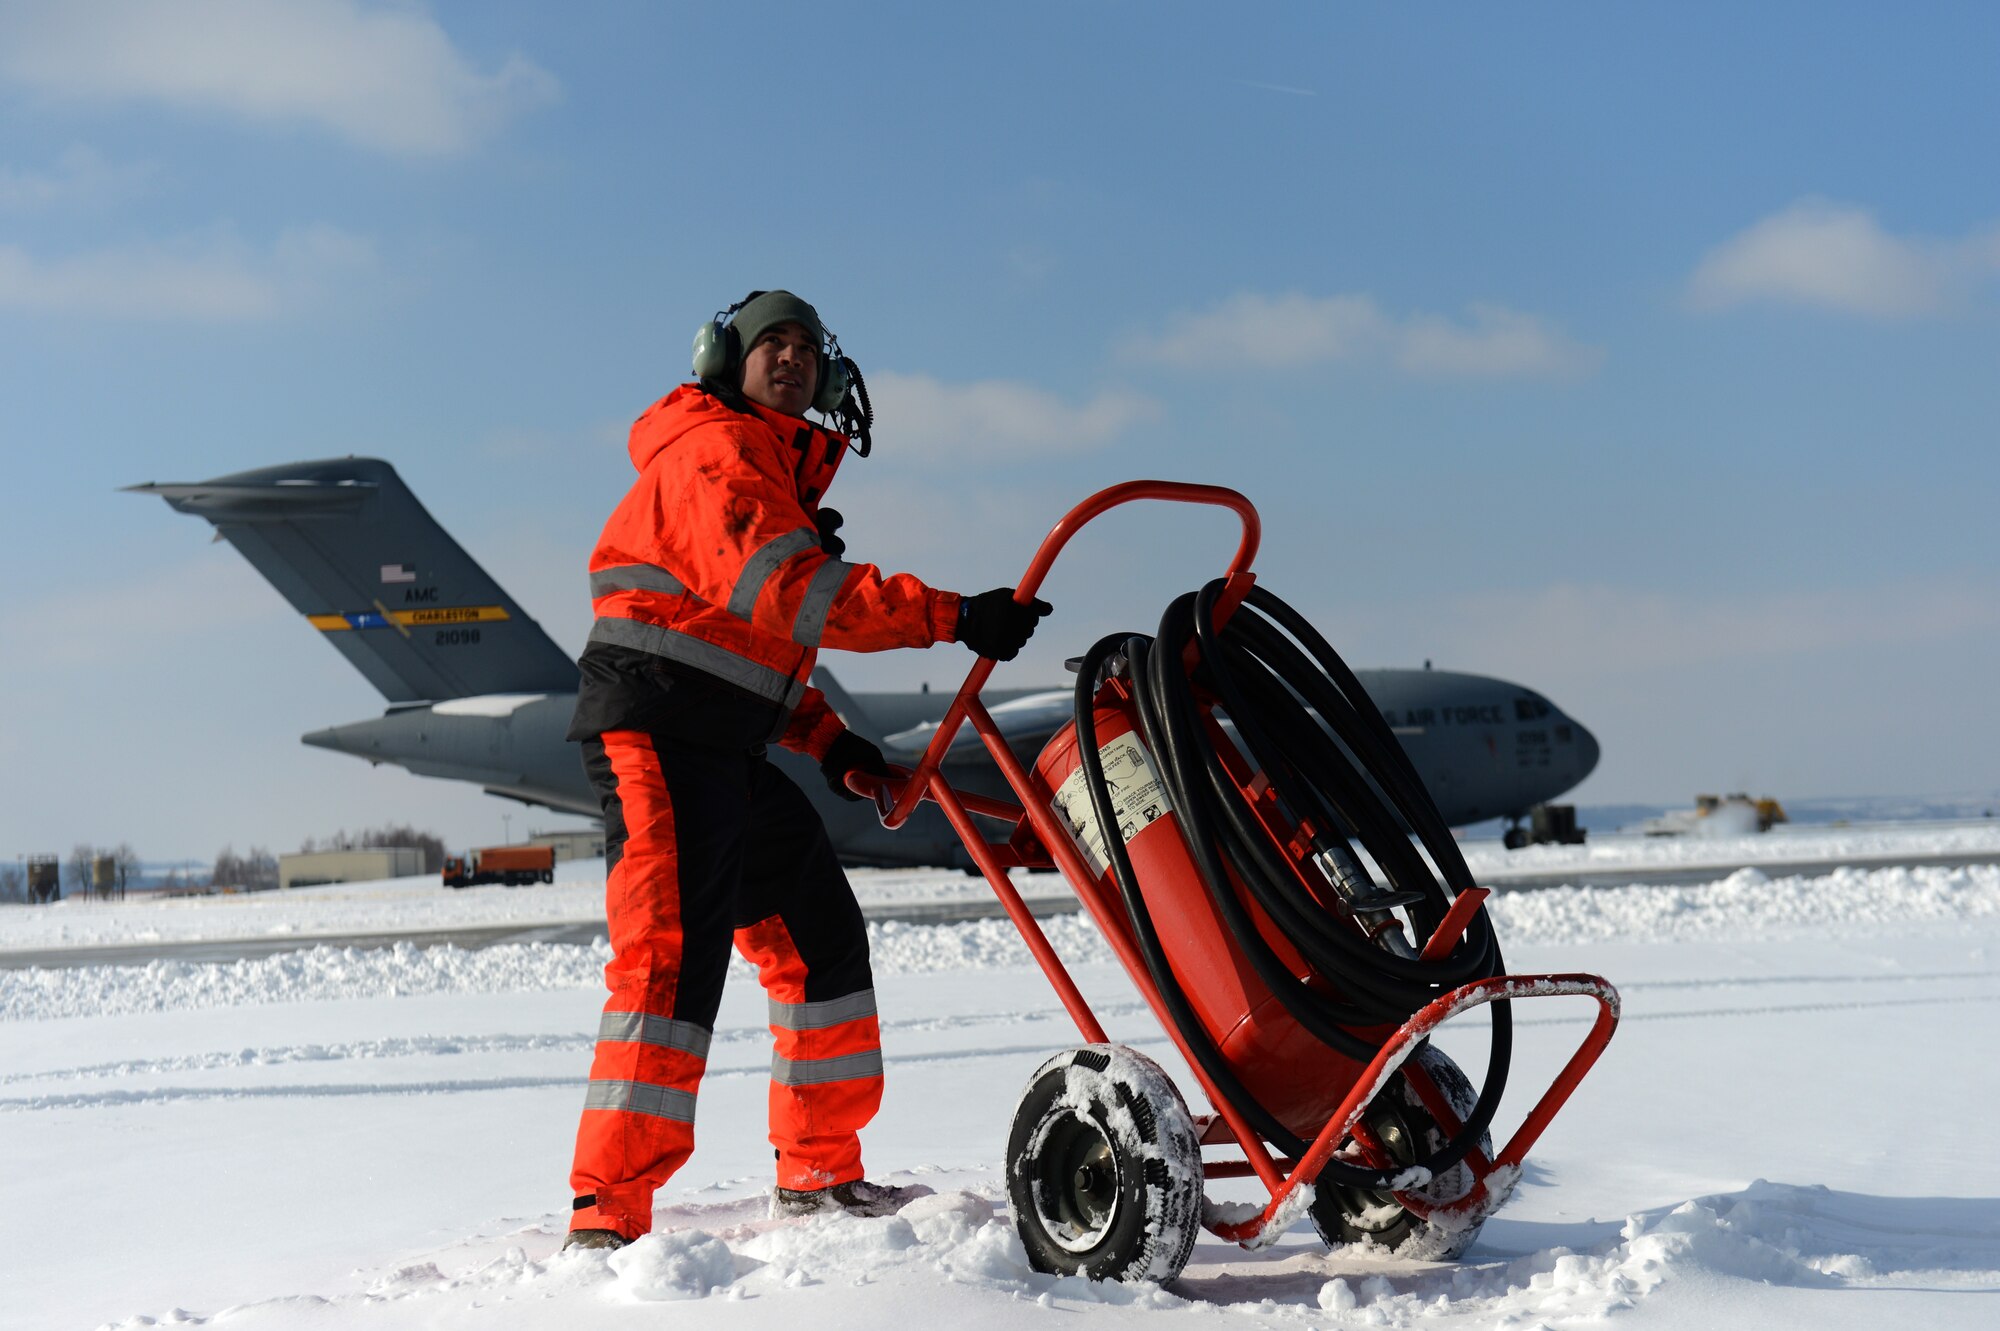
(1245, 831)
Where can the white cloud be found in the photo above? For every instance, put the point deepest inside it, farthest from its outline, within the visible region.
(212, 277)
(1252, 331)
(1837, 257)
(1274, 331)
(936, 419)
(382, 77)
(1499, 343)
(80, 179)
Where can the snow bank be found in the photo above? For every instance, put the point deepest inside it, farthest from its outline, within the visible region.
(410, 906)
(322, 973)
(312, 975)
(1745, 905)
(910, 949)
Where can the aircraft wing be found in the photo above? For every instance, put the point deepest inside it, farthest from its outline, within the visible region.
(1026, 723)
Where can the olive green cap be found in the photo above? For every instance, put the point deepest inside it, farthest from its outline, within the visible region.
(770, 309)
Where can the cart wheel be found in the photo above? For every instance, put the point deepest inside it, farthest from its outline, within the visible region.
(1103, 1169)
(1345, 1214)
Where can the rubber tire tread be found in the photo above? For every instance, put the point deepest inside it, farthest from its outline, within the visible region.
(1160, 1194)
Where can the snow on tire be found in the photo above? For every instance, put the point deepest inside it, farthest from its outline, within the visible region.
(1103, 1169)
(1344, 1214)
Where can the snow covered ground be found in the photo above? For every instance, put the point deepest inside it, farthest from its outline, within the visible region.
(1790, 1129)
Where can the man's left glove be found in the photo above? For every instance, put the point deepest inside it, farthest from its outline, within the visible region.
(828, 521)
(851, 753)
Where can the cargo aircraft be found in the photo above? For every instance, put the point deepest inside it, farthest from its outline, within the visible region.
(478, 692)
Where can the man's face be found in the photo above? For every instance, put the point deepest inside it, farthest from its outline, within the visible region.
(782, 370)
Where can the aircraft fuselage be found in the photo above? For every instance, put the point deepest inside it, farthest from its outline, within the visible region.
(1484, 747)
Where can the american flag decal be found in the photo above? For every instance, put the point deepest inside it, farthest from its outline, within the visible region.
(398, 573)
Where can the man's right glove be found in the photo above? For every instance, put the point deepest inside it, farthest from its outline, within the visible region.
(995, 625)
(850, 753)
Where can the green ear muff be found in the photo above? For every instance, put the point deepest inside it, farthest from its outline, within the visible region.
(714, 350)
(833, 382)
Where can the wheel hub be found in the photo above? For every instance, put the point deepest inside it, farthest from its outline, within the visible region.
(1076, 1183)
(1373, 1210)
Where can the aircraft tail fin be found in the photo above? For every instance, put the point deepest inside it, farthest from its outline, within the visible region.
(347, 544)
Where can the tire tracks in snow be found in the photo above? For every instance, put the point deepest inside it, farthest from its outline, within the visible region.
(452, 1046)
(391, 1048)
(576, 1081)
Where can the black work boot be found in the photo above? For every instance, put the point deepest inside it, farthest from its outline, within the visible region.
(594, 1238)
(859, 1197)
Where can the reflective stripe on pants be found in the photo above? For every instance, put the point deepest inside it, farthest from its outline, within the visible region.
(637, 1126)
(826, 1067)
(703, 847)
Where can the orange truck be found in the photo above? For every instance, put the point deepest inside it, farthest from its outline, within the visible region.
(515, 866)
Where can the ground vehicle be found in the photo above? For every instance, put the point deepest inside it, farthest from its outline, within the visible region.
(515, 866)
(1299, 989)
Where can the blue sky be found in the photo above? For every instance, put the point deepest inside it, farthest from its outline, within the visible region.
(1647, 356)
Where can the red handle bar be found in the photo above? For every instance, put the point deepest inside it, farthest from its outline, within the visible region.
(1179, 492)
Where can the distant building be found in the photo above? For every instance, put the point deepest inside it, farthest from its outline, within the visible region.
(372, 864)
(585, 845)
(44, 879)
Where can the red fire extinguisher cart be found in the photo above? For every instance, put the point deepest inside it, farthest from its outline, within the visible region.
(1264, 945)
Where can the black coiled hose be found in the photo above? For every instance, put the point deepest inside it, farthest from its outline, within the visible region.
(1343, 773)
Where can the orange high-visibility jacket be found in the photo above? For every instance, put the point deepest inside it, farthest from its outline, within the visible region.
(713, 560)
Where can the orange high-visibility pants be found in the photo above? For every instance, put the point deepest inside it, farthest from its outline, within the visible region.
(704, 845)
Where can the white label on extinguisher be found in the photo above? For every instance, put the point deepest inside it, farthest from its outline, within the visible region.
(1133, 782)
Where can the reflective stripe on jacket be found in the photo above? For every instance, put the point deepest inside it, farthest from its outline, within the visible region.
(713, 560)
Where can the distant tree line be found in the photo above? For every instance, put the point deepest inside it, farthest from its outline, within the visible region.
(80, 868)
(390, 834)
(253, 871)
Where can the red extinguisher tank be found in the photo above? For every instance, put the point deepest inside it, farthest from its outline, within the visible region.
(1288, 1069)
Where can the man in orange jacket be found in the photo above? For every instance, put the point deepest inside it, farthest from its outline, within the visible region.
(715, 581)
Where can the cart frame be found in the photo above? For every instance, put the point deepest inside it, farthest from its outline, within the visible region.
(898, 796)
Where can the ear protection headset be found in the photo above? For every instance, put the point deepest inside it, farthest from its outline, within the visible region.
(718, 349)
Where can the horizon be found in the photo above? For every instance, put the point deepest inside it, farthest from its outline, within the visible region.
(1805, 813)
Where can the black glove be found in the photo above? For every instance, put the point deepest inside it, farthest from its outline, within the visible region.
(995, 625)
(851, 753)
(828, 521)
